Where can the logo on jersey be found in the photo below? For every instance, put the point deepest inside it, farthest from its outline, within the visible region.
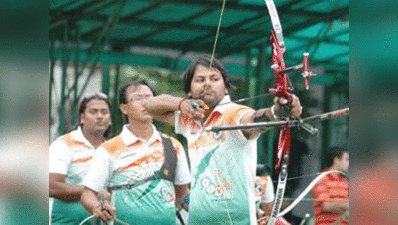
(215, 187)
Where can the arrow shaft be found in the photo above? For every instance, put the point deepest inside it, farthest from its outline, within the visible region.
(289, 123)
(329, 115)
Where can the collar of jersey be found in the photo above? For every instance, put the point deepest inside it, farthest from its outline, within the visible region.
(78, 135)
(223, 104)
(218, 111)
(129, 138)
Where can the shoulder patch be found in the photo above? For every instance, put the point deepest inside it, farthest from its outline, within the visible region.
(70, 142)
(232, 115)
(113, 145)
(215, 116)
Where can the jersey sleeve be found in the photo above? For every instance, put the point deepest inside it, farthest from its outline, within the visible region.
(183, 124)
(177, 123)
(177, 128)
(59, 157)
(99, 172)
(234, 117)
(182, 175)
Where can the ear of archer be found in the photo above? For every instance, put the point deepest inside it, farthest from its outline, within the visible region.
(123, 108)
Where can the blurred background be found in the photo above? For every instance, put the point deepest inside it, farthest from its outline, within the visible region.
(55, 52)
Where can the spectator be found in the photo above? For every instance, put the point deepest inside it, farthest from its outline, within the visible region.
(331, 193)
(263, 192)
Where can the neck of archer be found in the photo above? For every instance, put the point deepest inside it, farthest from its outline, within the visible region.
(143, 130)
(95, 138)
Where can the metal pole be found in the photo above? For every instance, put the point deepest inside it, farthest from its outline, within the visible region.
(94, 51)
(117, 119)
(52, 65)
(105, 79)
(75, 87)
(61, 125)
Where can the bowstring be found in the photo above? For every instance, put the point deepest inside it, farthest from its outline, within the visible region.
(341, 218)
(211, 62)
(93, 216)
(309, 199)
(302, 176)
(306, 191)
(238, 101)
(217, 33)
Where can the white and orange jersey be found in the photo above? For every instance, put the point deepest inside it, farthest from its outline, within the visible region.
(263, 190)
(223, 167)
(127, 159)
(71, 155)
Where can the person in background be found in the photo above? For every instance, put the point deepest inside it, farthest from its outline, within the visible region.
(263, 192)
(265, 195)
(70, 156)
(223, 164)
(331, 193)
(145, 170)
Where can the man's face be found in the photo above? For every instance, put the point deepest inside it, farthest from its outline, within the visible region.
(343, 162)
(96, 117)
(133, 109)
(208, 85)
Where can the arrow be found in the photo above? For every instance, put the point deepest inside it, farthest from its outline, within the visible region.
(287, 123)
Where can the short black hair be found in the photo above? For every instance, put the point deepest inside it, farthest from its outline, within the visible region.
(263, 170)
(204, 60)
(124, 87)
(330, 154)
(83, 105)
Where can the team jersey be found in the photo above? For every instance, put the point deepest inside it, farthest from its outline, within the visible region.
(330, 187)
(127, 159)
(71, 155)
(223, 167)
(263, 190)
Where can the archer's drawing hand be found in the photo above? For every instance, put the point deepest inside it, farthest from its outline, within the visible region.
(193, 108)
(281, 104)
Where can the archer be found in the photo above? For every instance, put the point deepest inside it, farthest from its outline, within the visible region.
(223, 163)
(146, 171)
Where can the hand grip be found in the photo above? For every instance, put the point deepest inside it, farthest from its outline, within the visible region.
(284, 111)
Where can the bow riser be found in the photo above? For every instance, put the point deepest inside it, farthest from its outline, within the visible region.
(283, 145)
(281, 90)
(278, 64)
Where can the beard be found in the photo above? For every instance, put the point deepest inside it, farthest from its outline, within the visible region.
(210, 100)
(100, 129)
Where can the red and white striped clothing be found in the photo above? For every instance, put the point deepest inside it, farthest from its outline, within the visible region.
(330, 187)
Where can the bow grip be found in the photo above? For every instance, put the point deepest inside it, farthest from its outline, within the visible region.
(284, 111)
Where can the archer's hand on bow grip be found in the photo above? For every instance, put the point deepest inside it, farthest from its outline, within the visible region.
(193, 108)
(284, 108)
